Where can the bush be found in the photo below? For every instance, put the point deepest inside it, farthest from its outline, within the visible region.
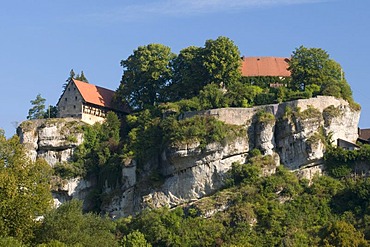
(202, 129)
(264, 117)
(67, 224)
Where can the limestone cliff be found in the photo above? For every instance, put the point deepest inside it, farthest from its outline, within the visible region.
(55, 140)
(294, 133)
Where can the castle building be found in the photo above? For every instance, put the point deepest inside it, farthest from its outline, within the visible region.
(87, 102)
(275, 68)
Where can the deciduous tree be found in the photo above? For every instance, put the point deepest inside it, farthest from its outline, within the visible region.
(146, 73)
(189, 75)
(24, 190)
(70, 226)
(221, 59)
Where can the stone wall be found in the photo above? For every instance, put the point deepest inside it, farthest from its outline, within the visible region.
(70, 103)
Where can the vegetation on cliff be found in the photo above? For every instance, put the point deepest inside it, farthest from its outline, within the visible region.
(252, 210)
(24, 190)
(278, 210)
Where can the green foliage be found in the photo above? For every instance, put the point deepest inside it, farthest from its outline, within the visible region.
(202, 129)
(222, 61)
(265, 81)
(242, 95)
(163, 227)
(265, 98)
(51, 112)
(101, 145)
(146, 73)
(81, 77)
(264, 117)
(310, 113)
(342, 234)
(71, 75)
(24, 190)
(10, 242)
(67, 224)
(38, 108)
(67, 170)
(212, 97)
(189, 76)
(309, 66)
(144, 137)
(135, 239)
(244, 172)
(181, 106)
(278, 210)
(312, 69)
(329, 113)
(341, 163)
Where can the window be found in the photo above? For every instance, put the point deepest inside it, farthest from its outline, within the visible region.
(65, 99)
(74, 107)
(75, 97)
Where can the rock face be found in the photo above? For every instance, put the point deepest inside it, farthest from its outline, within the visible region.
(55, 140)
(51, 139)
(294, 133)
(295, 137)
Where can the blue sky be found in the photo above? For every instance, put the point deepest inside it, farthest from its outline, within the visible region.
(42, 40)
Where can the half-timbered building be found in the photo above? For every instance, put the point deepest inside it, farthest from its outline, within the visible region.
(88, 102)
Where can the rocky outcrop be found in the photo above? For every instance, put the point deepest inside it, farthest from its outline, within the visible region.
(294, 133)
(192, 173)
(51, 139)
(55, 141)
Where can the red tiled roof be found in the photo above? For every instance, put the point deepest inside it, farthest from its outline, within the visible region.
(265, 66)
(96, 95)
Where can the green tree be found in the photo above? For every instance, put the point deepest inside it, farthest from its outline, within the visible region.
(189, 75)
(24, 190)
(146, 74)
(308, 66)
(70, 77)
(81, 77)
(38, 108)
(312, 68)
(211, 97)
(221, 59)
(242, 95)
(67, 224)
(343, 234)
(10, 242)
(51, 112)
(135, 239)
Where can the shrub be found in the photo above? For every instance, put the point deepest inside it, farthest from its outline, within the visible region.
(310, 113)
(329, 113)
(265, 117)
